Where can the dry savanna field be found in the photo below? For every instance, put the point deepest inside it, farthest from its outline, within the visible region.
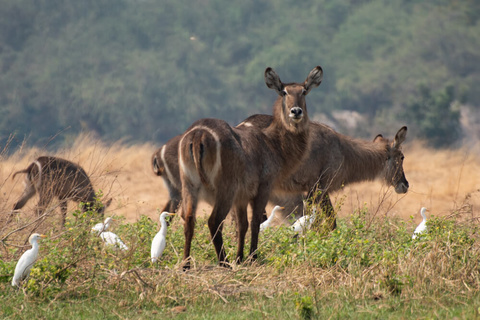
(441, 180)
(368, 268)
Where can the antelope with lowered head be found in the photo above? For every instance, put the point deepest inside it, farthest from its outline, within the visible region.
(336, 160)
(53, 177)
(232, 167)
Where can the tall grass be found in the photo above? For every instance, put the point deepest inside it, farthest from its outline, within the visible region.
(353, 269)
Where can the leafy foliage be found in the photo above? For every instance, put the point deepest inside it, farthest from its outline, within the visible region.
(435, 116)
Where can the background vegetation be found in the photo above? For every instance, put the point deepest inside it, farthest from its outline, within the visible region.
(145, 70)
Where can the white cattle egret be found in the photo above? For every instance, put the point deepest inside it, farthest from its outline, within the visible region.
(28, 258)
(267, 223)
(304, 223)
(112, 239)
(102, 226)
(159, 241)
(422, 227)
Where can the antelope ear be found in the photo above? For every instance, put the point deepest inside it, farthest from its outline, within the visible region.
(379, 138)
(314, 79)
(273, 81)
(400, 137)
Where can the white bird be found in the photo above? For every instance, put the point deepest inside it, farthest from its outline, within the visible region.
(267, 223)
(112, 239)
(422, 227)
(304, 223)
(26, 261)
(159, 241)
(102, 226)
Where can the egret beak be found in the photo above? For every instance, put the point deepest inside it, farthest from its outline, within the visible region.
(171, 214)
(43, 236)
(282, 208)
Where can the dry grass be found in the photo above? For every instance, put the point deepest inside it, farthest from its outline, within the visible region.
(439, 180)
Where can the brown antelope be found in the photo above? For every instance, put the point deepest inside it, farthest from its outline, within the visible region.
(336, 160)
(165, 165)
(232, 167)
(165, 162)
(52, 177)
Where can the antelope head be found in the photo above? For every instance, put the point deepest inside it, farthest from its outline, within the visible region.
(394, 174)
(294, 108)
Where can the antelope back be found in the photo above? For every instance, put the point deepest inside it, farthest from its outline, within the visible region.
(64, 179)
(201, 151)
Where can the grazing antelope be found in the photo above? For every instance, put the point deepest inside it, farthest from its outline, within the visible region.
(232, 167)
(336, 160)
(52, 177)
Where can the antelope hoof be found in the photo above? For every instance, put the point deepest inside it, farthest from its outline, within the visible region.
(186, 266)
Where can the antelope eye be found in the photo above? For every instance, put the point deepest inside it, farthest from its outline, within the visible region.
(403, 157)
(304, 92)
(284, 92)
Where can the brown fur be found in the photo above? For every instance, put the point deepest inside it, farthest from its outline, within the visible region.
(232, 167)
(166, 166)
(53, 177)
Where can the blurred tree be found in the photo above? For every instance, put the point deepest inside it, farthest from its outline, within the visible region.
(145, 70)
(434, 116)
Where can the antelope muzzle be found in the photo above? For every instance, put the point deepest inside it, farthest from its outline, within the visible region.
(296, 114)
(402, 186)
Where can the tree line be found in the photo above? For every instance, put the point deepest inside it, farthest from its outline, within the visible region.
(145, 70)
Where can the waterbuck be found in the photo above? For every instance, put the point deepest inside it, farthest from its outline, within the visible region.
(232, 167)
(165, 162)
(53, 177)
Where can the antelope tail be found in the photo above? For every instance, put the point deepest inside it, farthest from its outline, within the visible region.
(21, 171)
(29, 170)
(200, 148)
(197, 153)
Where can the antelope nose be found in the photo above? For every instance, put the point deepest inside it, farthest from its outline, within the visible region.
(296, 112)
